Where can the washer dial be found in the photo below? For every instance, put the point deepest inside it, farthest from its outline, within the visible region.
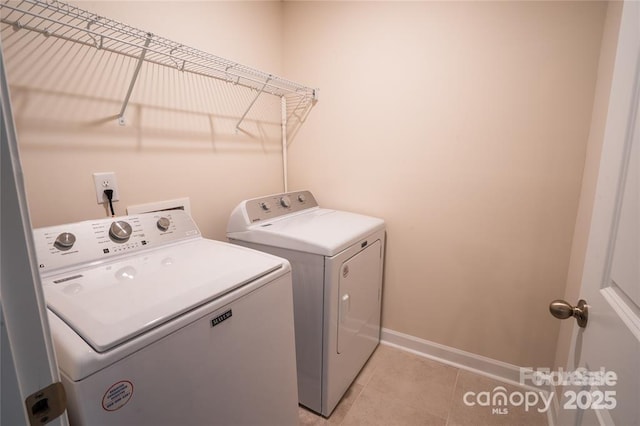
(120, 231)
(64, 241)
(163, 224)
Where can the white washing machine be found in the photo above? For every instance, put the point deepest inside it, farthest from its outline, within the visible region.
(155, 325)
(337, 259)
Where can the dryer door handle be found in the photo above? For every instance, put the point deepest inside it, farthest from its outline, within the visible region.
(345, 306)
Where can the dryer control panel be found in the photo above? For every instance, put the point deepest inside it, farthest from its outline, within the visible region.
(272, 206)
(93, 241)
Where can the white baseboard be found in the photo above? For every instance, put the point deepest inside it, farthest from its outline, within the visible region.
(498, 370)
(479, 364)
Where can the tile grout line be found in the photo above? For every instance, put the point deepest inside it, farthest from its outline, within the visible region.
(364, 385)
(351, 406)
(453, 394)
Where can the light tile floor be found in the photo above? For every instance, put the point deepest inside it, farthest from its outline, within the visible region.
(398, 388)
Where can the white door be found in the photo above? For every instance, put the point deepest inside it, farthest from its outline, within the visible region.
(31, 391)
(610, 342)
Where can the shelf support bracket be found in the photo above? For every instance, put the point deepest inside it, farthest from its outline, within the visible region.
(134, 78)
(252, 102)
(285, 166)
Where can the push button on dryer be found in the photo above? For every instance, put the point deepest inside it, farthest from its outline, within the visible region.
(265, 206)
(285, 202)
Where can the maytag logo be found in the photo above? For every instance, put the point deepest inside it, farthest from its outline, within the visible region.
(220, 318)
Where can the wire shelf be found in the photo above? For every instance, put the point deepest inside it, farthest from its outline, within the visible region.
(53, 18)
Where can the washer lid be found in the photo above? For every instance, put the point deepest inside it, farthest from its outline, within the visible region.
(319, 231)
(114, 302)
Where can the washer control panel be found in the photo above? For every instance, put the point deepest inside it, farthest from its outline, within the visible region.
(89, 242)
(272, 206)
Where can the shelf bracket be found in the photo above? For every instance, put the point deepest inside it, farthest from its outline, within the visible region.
(175, 61)
(98, 44)
(293, 110)
(121, 120)
(252, 102)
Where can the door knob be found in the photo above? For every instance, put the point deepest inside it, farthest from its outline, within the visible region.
(563, 310)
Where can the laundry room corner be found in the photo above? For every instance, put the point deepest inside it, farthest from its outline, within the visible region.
(464, 125)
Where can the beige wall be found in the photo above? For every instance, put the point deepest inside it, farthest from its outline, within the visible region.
(590, 175)
(463, 125)
(170, 146)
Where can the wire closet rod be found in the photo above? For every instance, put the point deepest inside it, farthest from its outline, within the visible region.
(53, 18)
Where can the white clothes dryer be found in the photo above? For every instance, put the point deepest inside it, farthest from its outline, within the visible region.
(155, 325)
(337, 265)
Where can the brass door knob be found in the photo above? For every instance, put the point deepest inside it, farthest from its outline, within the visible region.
(563, 310)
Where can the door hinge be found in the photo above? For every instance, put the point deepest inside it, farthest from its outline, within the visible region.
(46, 404)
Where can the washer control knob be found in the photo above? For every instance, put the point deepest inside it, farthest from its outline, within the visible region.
(64, 241)
(163, 224)
(265, 206)
(285, 202)
(301, 198)
(120, 231)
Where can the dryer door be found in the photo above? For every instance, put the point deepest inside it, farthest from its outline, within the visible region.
(359, 301)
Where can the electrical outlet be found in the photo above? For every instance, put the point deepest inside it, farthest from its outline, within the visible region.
(105, 180)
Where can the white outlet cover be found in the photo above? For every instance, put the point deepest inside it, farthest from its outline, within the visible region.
(105, 180)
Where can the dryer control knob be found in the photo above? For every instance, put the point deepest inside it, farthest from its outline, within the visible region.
(265, 206)
(120, 231)
(163, 224)
(285, 202)
(64, 241)
(301, 198)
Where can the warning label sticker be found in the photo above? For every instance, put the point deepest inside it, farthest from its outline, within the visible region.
(117, 395)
